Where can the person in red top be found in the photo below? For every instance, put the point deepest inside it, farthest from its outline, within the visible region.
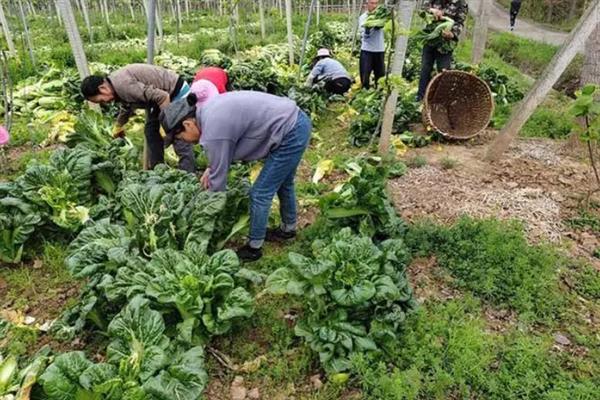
(218, 76)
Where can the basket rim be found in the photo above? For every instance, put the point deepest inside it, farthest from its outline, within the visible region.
(427, 109)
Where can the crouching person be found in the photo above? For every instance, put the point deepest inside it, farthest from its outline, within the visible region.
(248, 126)
(325, 69)
(143, 86)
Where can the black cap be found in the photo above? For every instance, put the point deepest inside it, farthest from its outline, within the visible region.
(172, 116)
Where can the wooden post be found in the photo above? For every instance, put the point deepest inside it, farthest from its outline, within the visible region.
(355, 14)
(405, 11)
(7, 34)
(261, 12)
(290, 33)
(318, 13)
(543, 85)
(480, 31)
(305, 38)
(74, 38)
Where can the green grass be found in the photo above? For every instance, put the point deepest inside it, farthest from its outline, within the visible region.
(493, 260)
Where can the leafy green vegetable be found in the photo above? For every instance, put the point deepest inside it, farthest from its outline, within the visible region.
(362, 203)
(202, 289)
(356, 295)
(17, 222)
(431, 34)
(378, 17)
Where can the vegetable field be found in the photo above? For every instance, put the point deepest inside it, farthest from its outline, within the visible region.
(419, 272)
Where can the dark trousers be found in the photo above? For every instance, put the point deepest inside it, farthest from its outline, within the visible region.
(338, 86)
(371, 63)
(515, 7)
(431, 56)
(156, 146)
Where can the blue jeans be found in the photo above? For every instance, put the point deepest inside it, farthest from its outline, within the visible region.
(277, 176)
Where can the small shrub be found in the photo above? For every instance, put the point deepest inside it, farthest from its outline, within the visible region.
(448, 162)
(416, 162)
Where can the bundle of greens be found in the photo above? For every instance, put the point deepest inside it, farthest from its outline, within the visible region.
(378, 18)
(431, 34)
(362, 203)
(355, 294)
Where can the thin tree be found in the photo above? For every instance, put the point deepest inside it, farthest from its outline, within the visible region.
(7, 34)
(66, 12)
(405, 10)
(543, 85)
(86, 18)
(261, 12)
(290, 32)
(480, 31)
(26, 31)
(305, 38)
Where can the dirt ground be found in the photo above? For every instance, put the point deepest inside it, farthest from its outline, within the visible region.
(537, 182)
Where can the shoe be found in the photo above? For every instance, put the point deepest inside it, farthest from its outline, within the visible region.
(512, 28)
(277, 235)
(249, 254)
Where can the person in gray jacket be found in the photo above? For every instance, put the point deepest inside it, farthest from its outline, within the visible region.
(372, 50)
(142, 86)
(329, 71)
(247, 126)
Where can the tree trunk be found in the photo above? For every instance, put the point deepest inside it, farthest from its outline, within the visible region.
(26, 31)
(86, 18)
(178, 10)
(261, 12)
(159, 24)
(318, 13)
(290, 33)
(590, 73)
(573, 9)
(305, 38)
(405, 11)
(480, 31)
(151, 33)
(74, 38)
(355, 14)
(280, 6)
(187, 8)
(131, 11)
(7, 34)
(543, 85)
(549, 10)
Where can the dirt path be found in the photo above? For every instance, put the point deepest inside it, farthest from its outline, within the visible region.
(499, 21)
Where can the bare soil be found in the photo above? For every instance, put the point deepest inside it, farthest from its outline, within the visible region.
(537, 182)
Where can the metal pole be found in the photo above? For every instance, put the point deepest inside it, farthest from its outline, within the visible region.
(306, 29)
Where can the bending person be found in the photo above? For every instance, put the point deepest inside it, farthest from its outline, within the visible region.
(248, 126)
(145, 86)
(218, 76)
(331, 72)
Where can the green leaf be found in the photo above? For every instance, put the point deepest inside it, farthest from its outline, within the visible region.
(277, 282)
(61, 380)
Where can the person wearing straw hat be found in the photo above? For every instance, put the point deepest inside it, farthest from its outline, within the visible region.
(247, 126)
(458, 11)
(145, 86)
(329, 71)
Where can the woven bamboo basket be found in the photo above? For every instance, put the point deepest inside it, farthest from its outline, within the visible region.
(458, 104)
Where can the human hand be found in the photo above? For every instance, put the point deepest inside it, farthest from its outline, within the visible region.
(118, 132)
(205, 180)
(448, 35)
(437, 13)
